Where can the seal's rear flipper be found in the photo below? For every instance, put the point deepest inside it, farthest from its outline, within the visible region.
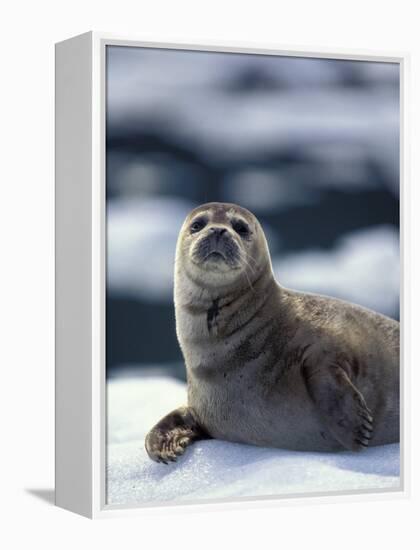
(341, 405)
(169, 438)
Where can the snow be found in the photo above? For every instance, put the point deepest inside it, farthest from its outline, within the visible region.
(215, 469)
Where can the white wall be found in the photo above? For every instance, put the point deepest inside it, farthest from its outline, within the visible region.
(29, 30)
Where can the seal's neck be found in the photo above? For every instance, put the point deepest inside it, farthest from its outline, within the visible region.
(203, 313)
(193, 294)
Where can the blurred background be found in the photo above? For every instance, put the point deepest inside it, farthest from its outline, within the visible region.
(311, 146)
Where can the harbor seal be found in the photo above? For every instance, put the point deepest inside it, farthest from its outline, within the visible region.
(267, 365)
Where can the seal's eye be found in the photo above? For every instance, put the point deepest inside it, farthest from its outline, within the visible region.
(240, 227)
(197, 225)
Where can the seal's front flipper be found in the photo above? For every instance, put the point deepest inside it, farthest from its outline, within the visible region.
(341, 405)
(171, 435)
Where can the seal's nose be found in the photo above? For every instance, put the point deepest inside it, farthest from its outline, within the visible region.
(218, 231)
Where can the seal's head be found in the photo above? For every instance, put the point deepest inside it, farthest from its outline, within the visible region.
(220, 243)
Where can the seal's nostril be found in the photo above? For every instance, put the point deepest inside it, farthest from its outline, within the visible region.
(218, 230)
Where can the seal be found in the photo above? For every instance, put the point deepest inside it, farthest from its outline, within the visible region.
(267, 365)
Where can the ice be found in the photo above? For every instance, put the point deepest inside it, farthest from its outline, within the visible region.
(215, 469)
(141, 242)
(363, 268)
(296, 104)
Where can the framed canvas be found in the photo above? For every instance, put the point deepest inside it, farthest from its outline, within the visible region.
(230, 275)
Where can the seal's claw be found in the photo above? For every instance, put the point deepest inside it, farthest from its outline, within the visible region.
(363, 432)
(167, 446)
(362, 423)
(169, 438)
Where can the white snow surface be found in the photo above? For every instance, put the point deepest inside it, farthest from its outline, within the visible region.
(217, 469)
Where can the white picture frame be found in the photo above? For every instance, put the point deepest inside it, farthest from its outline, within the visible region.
(80, 270)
